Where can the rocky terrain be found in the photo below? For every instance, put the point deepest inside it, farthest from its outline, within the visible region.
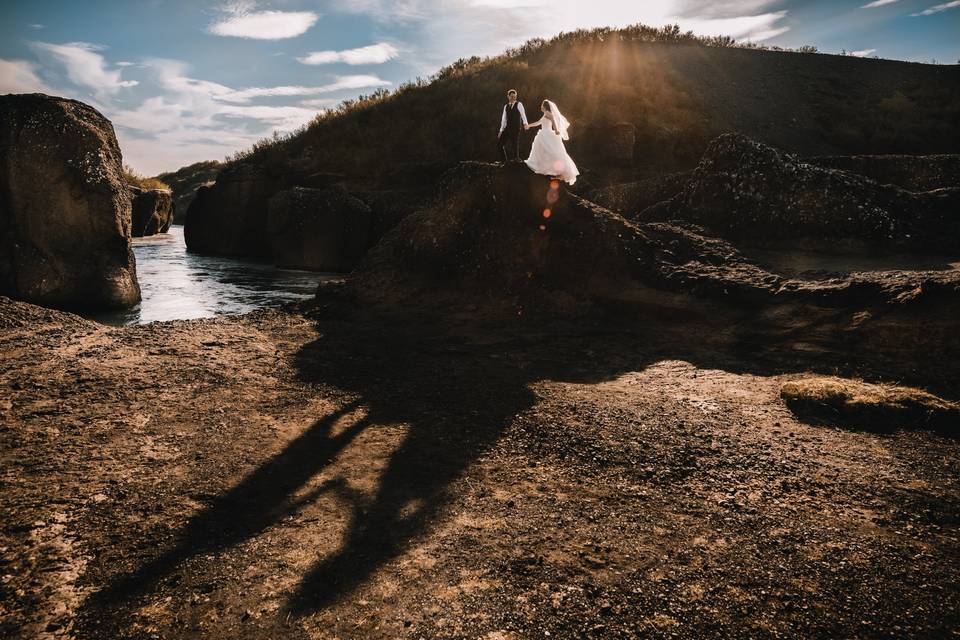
(523, 413)
(347, 471)
(65, 211)
(152, 211)
(748, 191)
(527, 411)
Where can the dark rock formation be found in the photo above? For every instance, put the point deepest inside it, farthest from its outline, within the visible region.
(390, 206)
(507, 234)
(913, 173)
(64, 206)
(229, 218)
(500, 240)
(620, 142)
(152, 211)
(185, 181)
(630, 198)
(748, 191)
(321, 229)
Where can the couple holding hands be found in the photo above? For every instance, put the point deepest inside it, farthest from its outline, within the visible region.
(548, 156)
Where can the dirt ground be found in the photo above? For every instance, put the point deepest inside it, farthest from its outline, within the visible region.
(328, 475)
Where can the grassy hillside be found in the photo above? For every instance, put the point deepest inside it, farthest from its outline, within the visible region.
(678, 92)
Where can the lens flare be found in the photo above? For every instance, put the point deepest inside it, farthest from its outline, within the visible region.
(543, 227)
(547, 213)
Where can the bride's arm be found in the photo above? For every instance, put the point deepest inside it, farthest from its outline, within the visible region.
(533, 124)
(553, 123)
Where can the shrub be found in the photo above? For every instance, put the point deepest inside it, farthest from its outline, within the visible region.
(138, 180)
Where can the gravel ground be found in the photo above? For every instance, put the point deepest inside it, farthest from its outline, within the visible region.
(324, 474)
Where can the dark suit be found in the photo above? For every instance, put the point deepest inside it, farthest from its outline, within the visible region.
(510, 135)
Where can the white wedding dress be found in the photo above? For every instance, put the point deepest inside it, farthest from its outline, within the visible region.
(548, 155)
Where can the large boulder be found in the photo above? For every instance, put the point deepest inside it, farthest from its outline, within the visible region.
(320, 229)
(152, 211)
(64, 206)
(913, 173)
(745, 190)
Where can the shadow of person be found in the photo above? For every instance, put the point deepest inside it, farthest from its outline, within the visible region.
(456, 387)
(455, 397)
(262, 498)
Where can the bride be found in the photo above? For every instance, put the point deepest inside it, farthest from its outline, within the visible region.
(548, 155)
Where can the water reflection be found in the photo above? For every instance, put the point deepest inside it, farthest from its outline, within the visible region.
(179, 285)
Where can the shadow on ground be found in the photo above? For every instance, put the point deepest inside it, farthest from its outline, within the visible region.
(457, 387)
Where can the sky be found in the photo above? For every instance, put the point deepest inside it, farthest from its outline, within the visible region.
(184, 80)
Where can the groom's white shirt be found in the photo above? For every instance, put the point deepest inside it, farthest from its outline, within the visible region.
(503, 118)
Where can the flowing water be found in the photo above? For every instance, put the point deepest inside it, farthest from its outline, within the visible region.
(176, 284)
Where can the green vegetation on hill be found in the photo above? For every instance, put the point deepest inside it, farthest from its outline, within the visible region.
(678, 89)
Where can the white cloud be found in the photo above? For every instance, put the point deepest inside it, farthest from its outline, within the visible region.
(937, 8)
(195, 119)
(265, 25)
(863, 53)
(878, 3)
(373, 54)
(37, 25)
(86, 67)
(18, 76)
(451, 29)
(320, 103)
(340, 83)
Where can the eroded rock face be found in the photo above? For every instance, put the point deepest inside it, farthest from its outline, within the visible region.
(229, 218)
(913, 173)
(321, 229)
(152, 211)
(64, 206)
(749, 191)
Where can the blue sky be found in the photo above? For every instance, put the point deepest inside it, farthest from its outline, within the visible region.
(184, 81)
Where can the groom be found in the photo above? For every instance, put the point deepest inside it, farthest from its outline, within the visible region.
(513, 120)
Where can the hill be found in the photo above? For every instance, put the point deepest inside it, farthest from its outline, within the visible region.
(641, 101)
(678, 94)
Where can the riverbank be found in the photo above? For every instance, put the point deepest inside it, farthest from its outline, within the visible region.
(333, 472)
(178, 285)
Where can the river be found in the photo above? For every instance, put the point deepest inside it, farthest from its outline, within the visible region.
(176, 284)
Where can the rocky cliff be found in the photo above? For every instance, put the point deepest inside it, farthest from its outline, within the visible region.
(152, 211)
(319, 229)
(65, 210)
